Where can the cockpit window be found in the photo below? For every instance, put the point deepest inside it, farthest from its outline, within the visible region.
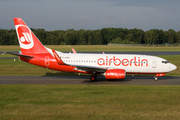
(165, 62)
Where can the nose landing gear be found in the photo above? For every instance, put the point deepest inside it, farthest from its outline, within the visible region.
(156, 78)
(158, 75)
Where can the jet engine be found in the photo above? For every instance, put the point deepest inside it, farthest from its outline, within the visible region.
(115, 74)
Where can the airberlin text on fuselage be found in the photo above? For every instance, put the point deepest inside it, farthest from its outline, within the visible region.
(136, 61)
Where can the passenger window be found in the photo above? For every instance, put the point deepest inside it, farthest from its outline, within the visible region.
(165, 62)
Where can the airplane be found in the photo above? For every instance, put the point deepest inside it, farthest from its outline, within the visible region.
(112, 66)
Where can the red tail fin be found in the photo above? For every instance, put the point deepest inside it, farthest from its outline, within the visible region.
(28, 42)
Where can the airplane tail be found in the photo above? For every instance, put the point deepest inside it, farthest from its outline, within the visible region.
(28, 42)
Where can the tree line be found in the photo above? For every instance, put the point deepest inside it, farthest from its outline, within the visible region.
(96, 37)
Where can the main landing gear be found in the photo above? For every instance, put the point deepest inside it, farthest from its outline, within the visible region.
(158, 75)
(93, 78)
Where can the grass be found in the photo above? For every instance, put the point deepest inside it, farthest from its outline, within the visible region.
(19, 68)
(9, 48)
(86, 102)
(95, 48)
(7, 55)
(89, 102)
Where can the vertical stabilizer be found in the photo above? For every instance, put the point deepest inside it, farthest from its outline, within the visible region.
(28, 42)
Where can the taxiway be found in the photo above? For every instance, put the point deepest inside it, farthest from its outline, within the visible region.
(129, 80)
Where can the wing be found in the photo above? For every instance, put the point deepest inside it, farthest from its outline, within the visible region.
(79, 67)
(89, 68)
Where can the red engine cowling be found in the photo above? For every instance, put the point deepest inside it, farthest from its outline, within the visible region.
(115, 74)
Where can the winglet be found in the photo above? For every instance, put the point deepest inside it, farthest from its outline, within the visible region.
(74, 50)
(58, 59)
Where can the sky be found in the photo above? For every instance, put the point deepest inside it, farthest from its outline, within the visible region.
(92, 14)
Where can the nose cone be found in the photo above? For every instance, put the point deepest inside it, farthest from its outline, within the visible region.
(173, 67)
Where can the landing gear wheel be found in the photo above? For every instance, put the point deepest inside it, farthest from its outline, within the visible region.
(155, 78)
(93, 78)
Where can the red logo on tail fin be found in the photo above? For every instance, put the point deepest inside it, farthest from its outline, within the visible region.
(25, 37)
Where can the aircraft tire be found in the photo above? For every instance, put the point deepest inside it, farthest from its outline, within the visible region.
(155, 78)
(93, 78)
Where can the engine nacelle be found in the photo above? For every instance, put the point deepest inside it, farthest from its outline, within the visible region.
(115, 74)
(162, 74)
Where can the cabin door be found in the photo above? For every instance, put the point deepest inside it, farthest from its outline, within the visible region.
(154, 63)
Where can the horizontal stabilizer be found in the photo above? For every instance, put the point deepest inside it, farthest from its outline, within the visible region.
(27, 56)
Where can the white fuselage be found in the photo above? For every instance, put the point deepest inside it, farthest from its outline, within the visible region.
(132, 63)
